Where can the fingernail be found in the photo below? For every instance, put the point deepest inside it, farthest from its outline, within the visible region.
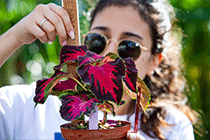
(71, 34)
(50, 42)
(64, 42)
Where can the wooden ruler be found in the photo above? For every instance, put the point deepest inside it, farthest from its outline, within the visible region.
(71, 6)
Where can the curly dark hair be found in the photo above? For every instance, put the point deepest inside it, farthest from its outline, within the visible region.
(166, 83)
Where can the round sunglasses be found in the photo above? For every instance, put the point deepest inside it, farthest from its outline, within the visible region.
(97, 42)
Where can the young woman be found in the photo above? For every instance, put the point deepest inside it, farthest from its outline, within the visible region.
(140, 29)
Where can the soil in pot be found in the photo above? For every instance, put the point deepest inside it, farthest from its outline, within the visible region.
(113, 130)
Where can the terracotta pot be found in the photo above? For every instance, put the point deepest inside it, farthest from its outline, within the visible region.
(118, 133)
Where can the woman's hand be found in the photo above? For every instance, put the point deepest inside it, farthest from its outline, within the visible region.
(134, 136)
(43, 23)
(34, 26)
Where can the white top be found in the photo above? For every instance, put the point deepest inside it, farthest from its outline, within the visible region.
(20, 120)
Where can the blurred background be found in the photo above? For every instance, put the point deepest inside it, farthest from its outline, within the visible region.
(35, 61)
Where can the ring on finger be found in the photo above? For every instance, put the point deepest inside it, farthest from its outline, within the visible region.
(41, 24)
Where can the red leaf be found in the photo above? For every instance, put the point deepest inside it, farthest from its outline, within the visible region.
(71, 53)
(65, 85)
(104, 77)
(41, 86)
(73, 107)
(131, 74)
(89, 57)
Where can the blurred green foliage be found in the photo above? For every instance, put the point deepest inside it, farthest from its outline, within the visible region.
(35, 61)
(194, 19)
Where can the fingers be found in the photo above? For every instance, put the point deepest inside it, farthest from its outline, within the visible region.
(38, 33)
(134, 136)
(65, 17)
(50, 31)
(35, 26)
(57, 23)
(30, 30)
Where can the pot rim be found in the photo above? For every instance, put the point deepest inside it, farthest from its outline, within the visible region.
(127, 123)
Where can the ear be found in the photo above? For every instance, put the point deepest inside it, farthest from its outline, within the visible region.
(156, 60)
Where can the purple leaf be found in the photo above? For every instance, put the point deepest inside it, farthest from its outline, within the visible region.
(89, 57)
(65, 85)
(85, 96)
(104, 77)
(94, 55)
(73, 107)
(131, 74)
(41, 87)
(71, 53)
(113, 123)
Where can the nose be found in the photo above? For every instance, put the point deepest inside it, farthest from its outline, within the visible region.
(111, 47)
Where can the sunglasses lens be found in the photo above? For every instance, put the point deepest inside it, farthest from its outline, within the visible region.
(129, 49)
(95, 42)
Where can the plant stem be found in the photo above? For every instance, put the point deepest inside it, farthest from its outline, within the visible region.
(82, 117)
(137, 111)
(104, 118)
(78, 82)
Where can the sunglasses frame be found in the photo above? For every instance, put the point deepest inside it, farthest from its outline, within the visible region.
(116, 42)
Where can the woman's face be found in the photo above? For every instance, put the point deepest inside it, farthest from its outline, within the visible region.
(118, 23)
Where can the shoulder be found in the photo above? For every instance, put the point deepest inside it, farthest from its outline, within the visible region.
(16, 99)
(174, 116)
(180, 126)
(16, 94)
(17, 89)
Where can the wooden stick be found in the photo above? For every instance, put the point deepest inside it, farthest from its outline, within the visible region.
(137, 109)
(71, 7)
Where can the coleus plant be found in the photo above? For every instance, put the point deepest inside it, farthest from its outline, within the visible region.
(84, 81)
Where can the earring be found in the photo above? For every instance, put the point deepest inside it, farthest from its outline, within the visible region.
(152, 72)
